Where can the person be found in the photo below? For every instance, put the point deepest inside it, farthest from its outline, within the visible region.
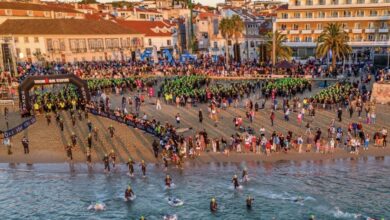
(25, 145)
(95, 133)
(111, 129)
(339, 114)
(165, 163)
(384, 136)
(129, 193)
(213, 205)
(89, 140)
(235, 182)
(89, 156)
(113, 158)
(130, 166)
(272, 117)
(155, 148)
(61, 123)
(177, 119)
(73, 137)
(143, 168)
(142, 218)
(158, 104)
(48, 118)
(106, 161)
(244, 175)
(8, 144)
(249, 201)
(168, 181)
(68, 149)
(200, 115)
(89, 124)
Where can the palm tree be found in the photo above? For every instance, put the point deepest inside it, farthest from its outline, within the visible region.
(281, 51)
(237, 33)
(333, 39)
(227, 30)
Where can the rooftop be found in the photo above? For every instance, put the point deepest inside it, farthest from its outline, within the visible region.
(37, 7)
(149, 28)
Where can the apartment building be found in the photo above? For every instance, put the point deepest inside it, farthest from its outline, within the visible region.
(367, 23)
(66, 40)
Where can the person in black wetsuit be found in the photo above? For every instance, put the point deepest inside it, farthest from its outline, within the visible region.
(249, 201)
(106, 161)
(129, 193)
(168, 181)
(130, 166)
(143, 168)
(235, 182)
(244, 175)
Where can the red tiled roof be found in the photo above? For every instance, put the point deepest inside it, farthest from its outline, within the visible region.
(282, 7)
(38, 7)
(145, 27)
(205, 15)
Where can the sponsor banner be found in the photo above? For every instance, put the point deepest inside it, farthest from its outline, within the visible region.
(13, 131)
(130, 123)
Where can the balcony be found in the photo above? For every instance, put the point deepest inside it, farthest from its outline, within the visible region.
(369, 30)
(318, 31)
(357, 31)
(283, 31)
(383, 30)
(294, 31)
(306, 31)
(347, 30)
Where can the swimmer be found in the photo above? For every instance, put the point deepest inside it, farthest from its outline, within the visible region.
(235, 182)
(106, 162)
(143, 168)
(213, 205)
(312, 217)
(97, 207)
(165, 163)
(142, 218)
(113, 158)
(168, 181)
(249, 201)
(131, 167)
(244, 175)
(129, 193)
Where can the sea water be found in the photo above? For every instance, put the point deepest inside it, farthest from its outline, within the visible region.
(332, 189)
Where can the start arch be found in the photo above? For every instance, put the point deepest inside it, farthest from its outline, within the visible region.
(31, 81)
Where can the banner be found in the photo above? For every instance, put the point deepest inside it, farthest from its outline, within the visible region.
(147, 129)
(13, 131)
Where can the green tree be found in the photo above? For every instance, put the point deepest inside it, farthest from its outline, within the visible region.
(227, 30)
(334, 39)
(237, 33)
(281, 50)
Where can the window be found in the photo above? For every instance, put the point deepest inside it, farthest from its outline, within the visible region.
(284, 15)
(169, 42)
(357, 37)
(150, 42)
(348, 2)
(252, 44)
(283, 26)
(360, 1)
(371, 37)
(215, 44)
(8, 12)
(46, 14)
(28, 51)
(37, 51)
(295, 26)
(309, 14)
(309, 2)
(383, 25)
(319, 26)
(30, 13)
(371, 25)
(347, 13)
(307, 27)
(387, 12)
(296, 39)
(321, 2)
(345, 26)
(383, 37)
(297, 2)
(373, 13)
(308, 39)
(360, 13)
(374, 1)
(335, 2)
(334, 14)
(26, 40)
(36, 40)
(321, 14)
(297, 15)
(142, 16)
(357, 26)
(16, 39)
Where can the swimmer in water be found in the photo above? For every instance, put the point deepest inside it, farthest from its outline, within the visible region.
(213, 205)
(112, 155)
(249, 201)
(235, 182)
(129, 193)
(165, 163)
(142, 218)
(312, 217)
(143, 168)
(130, 166)
(168, 181)
(244, 175)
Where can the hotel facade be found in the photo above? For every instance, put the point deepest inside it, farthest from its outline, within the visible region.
(367, 23)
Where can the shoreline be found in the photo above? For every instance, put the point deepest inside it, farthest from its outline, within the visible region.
(50, 157)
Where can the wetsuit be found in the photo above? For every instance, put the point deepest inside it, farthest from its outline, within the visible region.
(213, 206)
(244, 174)
(165, 163)
(69, 152)
(168, 181)
(89, 141)
(74, 139)
(129, 193)
(235, 182)
(111, 129)
(106, 162)
(249, 203)
(143, 168)
(130, 166)
(113, 158)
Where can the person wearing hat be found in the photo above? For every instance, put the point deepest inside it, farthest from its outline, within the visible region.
(129, 193)
(106, 161)
(168, 181)
(130, 166)
(235, 182)
(213, 205)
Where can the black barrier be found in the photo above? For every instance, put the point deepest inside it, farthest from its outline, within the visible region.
(141, 126)
(13, 131)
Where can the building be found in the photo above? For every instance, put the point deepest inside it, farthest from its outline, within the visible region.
(367, 23)
(141, 14)
(66, 40)
(158, 35)
(20, 10)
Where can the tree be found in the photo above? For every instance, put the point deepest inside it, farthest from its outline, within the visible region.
(227, 30)
(238, 25)
(281, 51)
(335, 40)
